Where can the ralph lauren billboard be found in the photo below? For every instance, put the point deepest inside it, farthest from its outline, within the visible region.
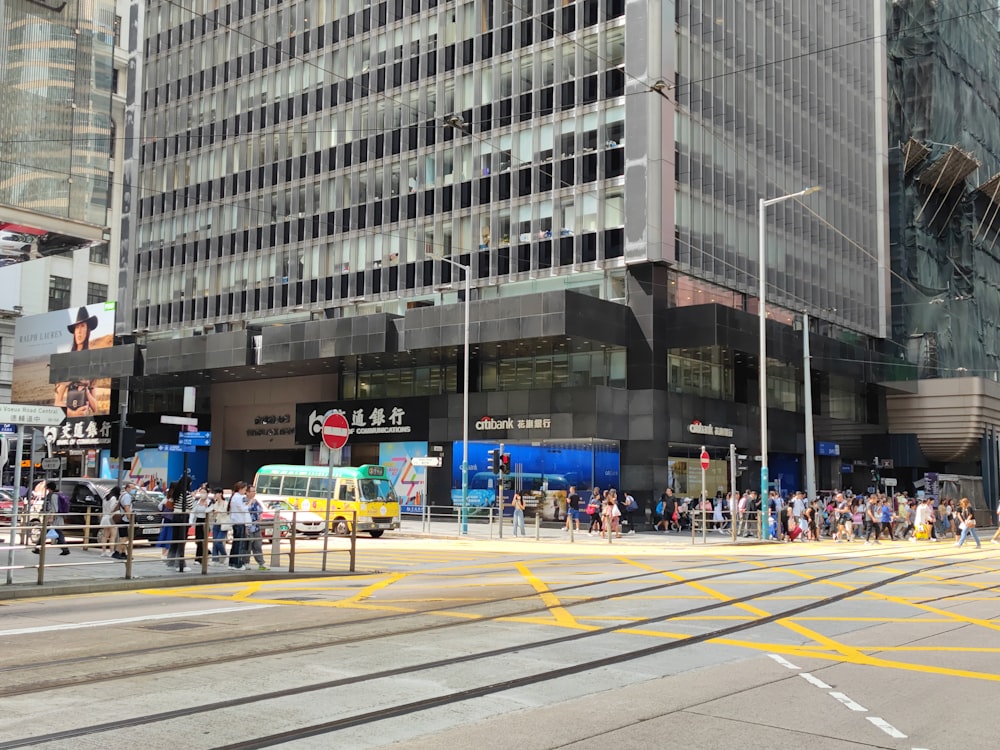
(373, 421)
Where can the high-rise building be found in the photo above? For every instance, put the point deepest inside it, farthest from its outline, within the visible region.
(596, 167)
(62, 88)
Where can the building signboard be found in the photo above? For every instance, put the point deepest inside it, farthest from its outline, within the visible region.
(370, 421)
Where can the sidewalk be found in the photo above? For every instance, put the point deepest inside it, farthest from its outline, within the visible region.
(85, 571)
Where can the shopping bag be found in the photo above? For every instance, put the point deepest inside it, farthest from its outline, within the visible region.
(794, 532)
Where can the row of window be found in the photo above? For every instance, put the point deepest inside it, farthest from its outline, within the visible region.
(545, 254)
(605, 367)
(718, 373)
(60, 288)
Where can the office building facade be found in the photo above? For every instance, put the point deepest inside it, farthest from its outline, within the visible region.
(595, 166)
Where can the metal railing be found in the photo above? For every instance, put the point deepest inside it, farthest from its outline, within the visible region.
(286, 547)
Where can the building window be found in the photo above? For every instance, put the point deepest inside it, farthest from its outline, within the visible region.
(100, 254)
(96, 293)
(706, 372)
(59, 288)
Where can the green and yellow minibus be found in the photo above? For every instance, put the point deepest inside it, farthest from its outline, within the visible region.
(364, 489)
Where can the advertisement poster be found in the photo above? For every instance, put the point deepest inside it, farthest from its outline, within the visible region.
(38, 337)
(407, 479)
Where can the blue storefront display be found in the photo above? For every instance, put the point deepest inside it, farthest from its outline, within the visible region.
(543, 472)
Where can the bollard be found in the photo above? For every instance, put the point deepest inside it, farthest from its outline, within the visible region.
(326, 542)
(570, 529)
(86, 530)
(276, 540)
(354, 537)
(538, 525)
(704, 526)
(128, 546)
(206, 545)
(291, 548)
(42, 544)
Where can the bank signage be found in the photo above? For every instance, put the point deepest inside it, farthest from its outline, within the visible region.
(374, 421)
(697, 428)
(491, 424)
(81, 432)
(827, 449)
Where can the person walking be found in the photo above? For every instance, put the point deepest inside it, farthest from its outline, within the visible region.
(108, 530)
(594, 508)
(239, 517)
(256, 542)
(996, 535)
(56, 521)
(631, 507)
(220, 526)
(966, 522)
(199, 517)
(572, 509)
(872, 519)
(124, 512)
(181, 522)
(518, 504)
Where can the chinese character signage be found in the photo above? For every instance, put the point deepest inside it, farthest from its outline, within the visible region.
(375, 421)
(82, 432)
(38, 337)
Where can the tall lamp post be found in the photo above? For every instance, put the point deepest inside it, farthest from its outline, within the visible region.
(464, 512)
(765, 479)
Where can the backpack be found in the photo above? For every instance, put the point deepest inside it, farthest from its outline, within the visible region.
(632, 504)
(63, 503)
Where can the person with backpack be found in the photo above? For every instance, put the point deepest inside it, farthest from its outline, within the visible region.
(121, 517)
(631, 507)
(56, 508)
(594, 510)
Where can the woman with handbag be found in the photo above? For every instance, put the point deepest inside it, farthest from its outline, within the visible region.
(967, 522)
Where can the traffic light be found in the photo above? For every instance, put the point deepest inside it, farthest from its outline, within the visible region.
(505, 463)
(741, 463)
(130, 441)
(494, 461)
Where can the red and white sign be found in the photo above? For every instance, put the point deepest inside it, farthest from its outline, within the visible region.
(335, 431)
(704, 460)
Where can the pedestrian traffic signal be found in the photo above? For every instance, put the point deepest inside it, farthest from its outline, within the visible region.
(494, 461)
(505, 463)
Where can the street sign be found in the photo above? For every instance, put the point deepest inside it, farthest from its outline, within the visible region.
(187, 421)
(704, 460)
(889, 481)
(164, 448)
(335, 431)
(426, 461)
(31, 414)
(51, 464)
(202, 439)
(8, 429)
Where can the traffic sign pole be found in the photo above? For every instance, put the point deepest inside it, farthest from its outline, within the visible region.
(704, 465)
(17, 504)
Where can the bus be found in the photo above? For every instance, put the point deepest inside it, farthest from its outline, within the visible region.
(365, 489)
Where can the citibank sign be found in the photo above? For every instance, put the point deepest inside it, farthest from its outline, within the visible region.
(698, 428)
(489, 423)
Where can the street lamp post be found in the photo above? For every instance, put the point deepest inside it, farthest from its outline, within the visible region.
(464, 512)
(765, 480)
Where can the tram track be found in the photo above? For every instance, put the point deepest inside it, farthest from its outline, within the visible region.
(83, 676)
(498, 686)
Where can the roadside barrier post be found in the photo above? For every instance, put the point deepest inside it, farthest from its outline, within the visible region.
(129, 544)
(276, 540)
(206, 545)
(704, 525)
(538, 525)
(291, 549)
(326, 539)
(86, 530)
(42, 543)
(354, 538)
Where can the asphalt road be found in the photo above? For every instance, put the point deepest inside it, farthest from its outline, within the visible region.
(469, 644)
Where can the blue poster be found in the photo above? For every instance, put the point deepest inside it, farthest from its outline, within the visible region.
(542, 472)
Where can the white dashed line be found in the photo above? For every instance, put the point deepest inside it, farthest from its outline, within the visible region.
(812, 680)
(886, 727)
(783, 662)
(849, 703)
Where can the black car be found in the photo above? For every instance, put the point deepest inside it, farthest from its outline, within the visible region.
(88, 494)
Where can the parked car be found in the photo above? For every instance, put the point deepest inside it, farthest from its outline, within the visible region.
(88, 494)
(7, 508)
(306, 522)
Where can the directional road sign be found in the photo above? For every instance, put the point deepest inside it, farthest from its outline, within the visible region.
(203, 439)
(31, 414)
(52, 464)
(188, 421)
(426, 461)
(335, 431)
(163, 447)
